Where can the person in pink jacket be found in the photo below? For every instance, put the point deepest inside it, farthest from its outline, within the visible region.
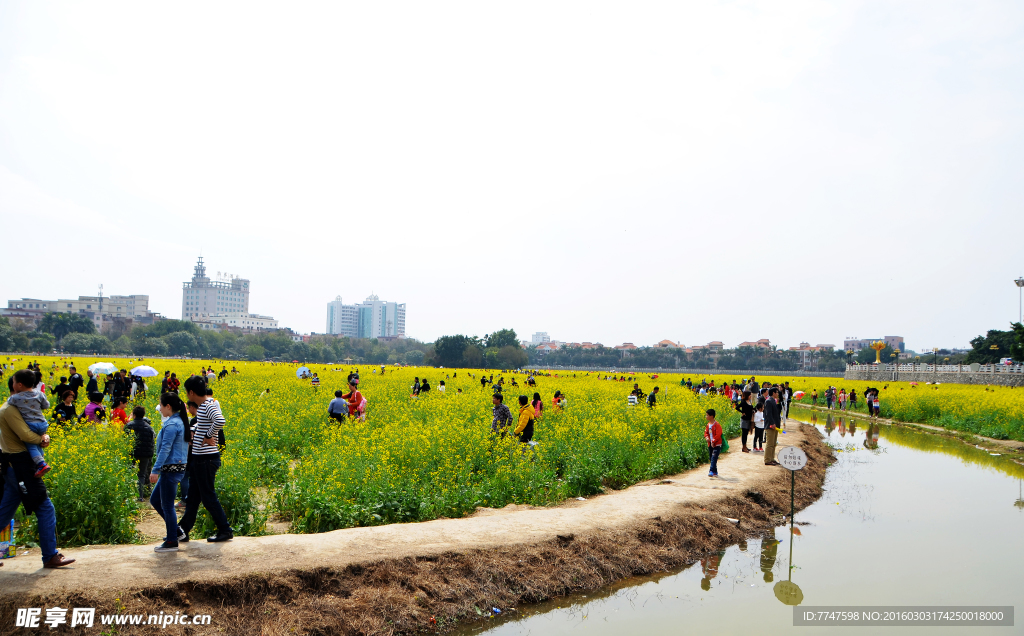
(713, 436)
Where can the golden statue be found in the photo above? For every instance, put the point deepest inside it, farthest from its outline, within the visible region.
(878, 345)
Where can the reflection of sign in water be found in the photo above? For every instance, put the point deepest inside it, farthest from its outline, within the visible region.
(789, 593)
(792, 458)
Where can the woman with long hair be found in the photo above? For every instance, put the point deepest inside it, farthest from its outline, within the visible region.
(169, 467)
(538, 406)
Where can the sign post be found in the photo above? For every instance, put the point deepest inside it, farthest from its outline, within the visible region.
(792, 459)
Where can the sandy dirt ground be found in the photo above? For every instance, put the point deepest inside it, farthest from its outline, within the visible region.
(110, 568)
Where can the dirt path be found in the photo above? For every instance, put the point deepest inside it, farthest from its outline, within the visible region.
(630, 531)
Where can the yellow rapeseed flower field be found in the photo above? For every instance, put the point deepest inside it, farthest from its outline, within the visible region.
(432, 456)
(992, 411)
(412, 459)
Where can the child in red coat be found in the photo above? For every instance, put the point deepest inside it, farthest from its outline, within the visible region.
(713, 435)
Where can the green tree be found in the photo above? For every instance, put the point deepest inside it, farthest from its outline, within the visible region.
(448, 350)
(6, 335)
(21, 342)
(472, 356)
(162, 328)
(60, 324)
(42, 343)
(512, 357)
(86, 343)
(414, 357)
(490, 359)
(502, 338)
(182, 343)
(255, 352)
(1017, 349)
(982, 351)
(123, 345)
(149, 346)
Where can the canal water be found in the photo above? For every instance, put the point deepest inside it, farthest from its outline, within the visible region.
(907, 518)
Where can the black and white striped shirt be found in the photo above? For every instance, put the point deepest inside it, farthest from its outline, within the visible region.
(209, 421)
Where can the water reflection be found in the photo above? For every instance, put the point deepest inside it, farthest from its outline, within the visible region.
(769, 554)
(787, 591)
(893, 488)
(871, 437)
(709, 566)
(917, 440)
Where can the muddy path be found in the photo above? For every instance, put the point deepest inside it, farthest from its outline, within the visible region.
(429, 576)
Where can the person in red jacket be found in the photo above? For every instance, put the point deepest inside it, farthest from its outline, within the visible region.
(713, 435)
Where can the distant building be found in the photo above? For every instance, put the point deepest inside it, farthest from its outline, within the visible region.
(203, 297)
(805, 353)
(763, 343)
(103, 311)
(245, 323)
(855, 344)
(578, 345)
(626, 349)
(668, 344)
(373, 318)
(334, 316)
(219, 304)
(540, 337)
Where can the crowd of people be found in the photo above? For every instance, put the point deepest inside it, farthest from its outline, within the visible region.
(839, 400)
(180, 461)
(177, 466)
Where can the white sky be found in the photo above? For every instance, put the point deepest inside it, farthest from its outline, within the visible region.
(601, 171)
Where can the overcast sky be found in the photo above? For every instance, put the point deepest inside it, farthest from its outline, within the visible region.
(601, 171)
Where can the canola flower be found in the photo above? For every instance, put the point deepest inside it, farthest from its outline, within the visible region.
(416, 459)
(991, 411)
(412, 459)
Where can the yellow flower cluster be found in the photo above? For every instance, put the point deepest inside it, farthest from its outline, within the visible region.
(992, 411)
(412, 458)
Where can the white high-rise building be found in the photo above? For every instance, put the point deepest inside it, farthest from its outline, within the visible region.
(540, 338)
(334, 316)
(350, 320)
(373, 318)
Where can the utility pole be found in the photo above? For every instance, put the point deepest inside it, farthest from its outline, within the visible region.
(1020, 297)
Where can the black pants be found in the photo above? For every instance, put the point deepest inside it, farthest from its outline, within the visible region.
(145, 468)
(758, 437)
(202, 475)
(745, 429)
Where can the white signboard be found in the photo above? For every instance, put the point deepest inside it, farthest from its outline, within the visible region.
(792, 458)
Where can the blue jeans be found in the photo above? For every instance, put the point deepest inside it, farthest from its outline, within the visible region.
(34, 450)
(714, 451)
(184, 487)
(46, 517)
(162, 500)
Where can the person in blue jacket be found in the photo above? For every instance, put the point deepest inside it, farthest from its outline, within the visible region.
(169, 467)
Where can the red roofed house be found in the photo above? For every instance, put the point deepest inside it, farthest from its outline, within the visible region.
(759, 344)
